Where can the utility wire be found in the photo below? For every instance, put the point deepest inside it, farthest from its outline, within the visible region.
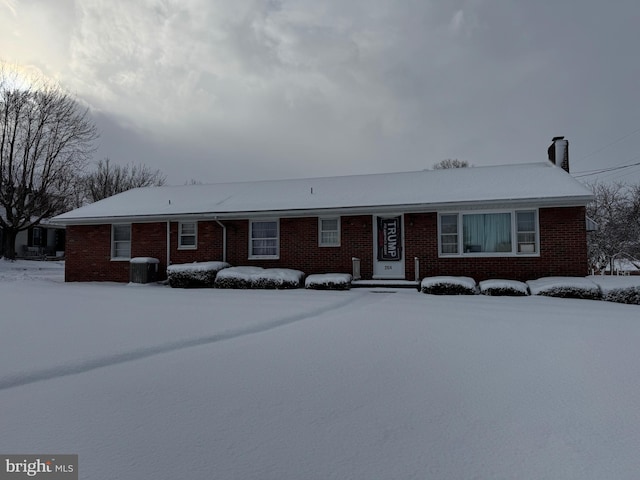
(588, 173)
(609, 144)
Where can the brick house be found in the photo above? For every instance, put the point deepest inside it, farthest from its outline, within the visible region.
(515, 222)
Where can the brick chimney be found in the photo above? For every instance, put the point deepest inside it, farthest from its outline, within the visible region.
(559, 153)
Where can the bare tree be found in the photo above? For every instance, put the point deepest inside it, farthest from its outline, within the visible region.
(450, 163)
(109, 179)
(616, 210)
(46, 138)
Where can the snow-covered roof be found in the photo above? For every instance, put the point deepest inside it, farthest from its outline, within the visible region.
(540, 184)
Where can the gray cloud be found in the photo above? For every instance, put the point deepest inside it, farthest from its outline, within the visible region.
(244, 89)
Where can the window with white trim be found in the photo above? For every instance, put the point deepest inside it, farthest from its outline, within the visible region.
(187, 235)
(527, 231)
(489, 233)
(449, 234)
(264, 239)
(121, 241)
(329, 232)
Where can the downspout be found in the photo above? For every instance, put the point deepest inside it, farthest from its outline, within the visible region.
(224, 240)
(168, 243)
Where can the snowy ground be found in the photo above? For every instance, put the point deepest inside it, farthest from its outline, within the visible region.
(149, 382)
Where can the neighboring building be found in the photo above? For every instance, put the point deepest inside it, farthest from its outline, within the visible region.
(42, 240)
(516, 222)
(624, 266)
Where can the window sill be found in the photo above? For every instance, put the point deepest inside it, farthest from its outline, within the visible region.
(120, 259)
(329, 246)
(264, 257)
(488, 255)
(187, 248)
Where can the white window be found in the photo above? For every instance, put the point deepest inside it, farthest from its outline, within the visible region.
(329, 232)
(264, 239)
(121, 242)
(489, 233)
(187, 235)
(527, 231)
(449, 234)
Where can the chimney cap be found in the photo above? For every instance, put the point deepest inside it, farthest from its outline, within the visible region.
(557, 138)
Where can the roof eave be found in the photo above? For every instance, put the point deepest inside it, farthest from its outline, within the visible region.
(571, 201)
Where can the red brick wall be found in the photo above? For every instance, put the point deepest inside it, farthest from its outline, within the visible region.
(88, 249)
(563, 250)
(562, 247)
(299, 246)
(209, 239)
(88, 255)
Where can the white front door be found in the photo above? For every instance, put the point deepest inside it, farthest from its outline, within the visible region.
(388, 247)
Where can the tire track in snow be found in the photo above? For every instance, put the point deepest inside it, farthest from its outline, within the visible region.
(17, 380)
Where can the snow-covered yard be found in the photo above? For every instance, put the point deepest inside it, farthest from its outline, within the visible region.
(149, 382)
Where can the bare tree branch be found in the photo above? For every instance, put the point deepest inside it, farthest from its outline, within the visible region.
(46, 138)
(109, 179)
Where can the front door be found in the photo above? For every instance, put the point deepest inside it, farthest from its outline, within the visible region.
(388, 247)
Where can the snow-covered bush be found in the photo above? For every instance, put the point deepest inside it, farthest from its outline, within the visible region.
(258, 277)
(280, 278)
(448, 286)
(196, 274)
(620, 289)
(236, 277)
(328, 281)
(623, 295)
(510, 288)
(565, 287)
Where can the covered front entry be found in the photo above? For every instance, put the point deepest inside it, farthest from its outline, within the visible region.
(388, 247)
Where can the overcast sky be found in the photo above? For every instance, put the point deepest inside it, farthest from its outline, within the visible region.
(225, 90)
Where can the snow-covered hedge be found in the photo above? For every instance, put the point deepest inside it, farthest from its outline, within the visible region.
(565, 287)
(328, 281)
(448, 286)
(509, 288)
(257, 277)
(196, 274)
(278, 278)
(620, 289)
(623, 295)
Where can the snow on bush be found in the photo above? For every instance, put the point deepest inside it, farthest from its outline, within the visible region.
(510, 288)
(195, 274)
(278, 278)
(625, 289)
(258, 277)
(629, 295)
(236, 277)
(565, 287)
(448, 286)
(328, 281)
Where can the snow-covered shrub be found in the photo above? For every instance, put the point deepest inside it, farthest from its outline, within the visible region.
(328, 281)
(620, 289)
(565, 287)
(195, 274)
(448, 286)
(629, 295)
(510, 288)
(258, 277)
(280, 278)
(236, 277)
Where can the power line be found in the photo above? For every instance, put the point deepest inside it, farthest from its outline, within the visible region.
(588, 173)
(609, 144)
